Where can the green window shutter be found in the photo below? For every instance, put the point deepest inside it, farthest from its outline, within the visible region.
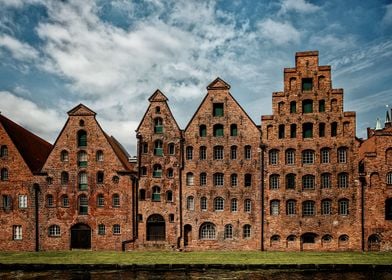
(82, 163)
(293, 107)
(218, 109)
(203, 132)
(83, 187)
(158, 129)
(156, 197)
(308, 133)
(157, 173)
(307, 84)
(321, 106)
(219, 132)
(158, 151)
(308, 107)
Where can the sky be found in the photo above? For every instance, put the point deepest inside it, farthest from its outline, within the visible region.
(112, 56)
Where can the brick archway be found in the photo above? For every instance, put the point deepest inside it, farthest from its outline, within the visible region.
(80, 236)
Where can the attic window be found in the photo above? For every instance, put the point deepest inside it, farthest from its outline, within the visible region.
(307, 84)
(115, 179)
(218, 109)
(81, 122)
(157, 110)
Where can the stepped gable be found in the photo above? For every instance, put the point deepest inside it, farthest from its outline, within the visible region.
(32, 148)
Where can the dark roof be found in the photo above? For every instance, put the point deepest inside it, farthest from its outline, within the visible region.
(121, 153)
(32, 148)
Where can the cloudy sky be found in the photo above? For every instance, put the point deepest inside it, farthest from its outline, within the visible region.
(112, 55)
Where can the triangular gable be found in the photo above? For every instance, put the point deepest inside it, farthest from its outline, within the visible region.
(33, 149)
(218, 83)
(81, 110)
(158, 96)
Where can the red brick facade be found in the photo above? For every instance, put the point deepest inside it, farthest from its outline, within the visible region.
(300, 181)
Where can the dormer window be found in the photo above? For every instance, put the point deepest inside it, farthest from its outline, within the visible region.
(307, 84)
(217, 110)
(81, 123)
(157, 110)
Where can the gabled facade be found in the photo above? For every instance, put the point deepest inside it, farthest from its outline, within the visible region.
(87, 200)
(375, 154)
(159, 162)
(312, 197)
(22, 155)
(221, 198)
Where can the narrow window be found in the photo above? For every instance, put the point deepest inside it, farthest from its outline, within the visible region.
(143, 171)
(326, 207)
(100, 200)
(325, 181)
(64, 201)
(307, 84)
(307, 130)
(158, 151)
(170, 173)
(171, 218)
(116, 200)
(388, 209)
(17, 232)
(343, 207)
(290, 156)
(218, 152)
(218, 109)
(203, 153)
(100, 177)
(274, 207)
(291, 207)
(342, 155)
(82, 159)
(3, 151)
(64, 157)
(321, 129)
(4, 174)
(156, 193)
(82, 177)
(248, 205)
(343, 180)
(157, 171)
(218, 130)
(202, 130)
(101, 229)
(234, 205)
(171, 148)
(234, 180)
(290, 181)
(142, 194)
(281, 131)
(203, 179)
(219, 204)
(157, 110)
(64, 178)
(293, 130)
(82, 138)
(324, 155)
(169, 196)
(22, 201)
(293, 107)
(273, 157)
(233, 130)
(144, 148)
(83, 204)
(321, 106)
(189, 153)
(274, 181)
(190, 203)
(233, 152)
(307, 106)
(308, 208)
(228, 233)
(158, 125)
(248, 180)
(246, 231)
(281, 107)
(116, 229)
(389, 178)
(203, 203)
(99, 156)
(334, 129)
(248, 152)
(190, 179)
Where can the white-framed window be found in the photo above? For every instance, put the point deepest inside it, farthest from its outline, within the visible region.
(246, 231)
(99, 155)
(100, 200)
(389, 178)
(203, 179)
(248, 205)
(203, 203)
(274, 181)
(342, 155)
(207, 231)
(273, 157)
(116, 229)
(275, 207)
(228, 233)
(189, 153)
(308, 208)
(17, 232)
(22, 201)
(234, 180)
(171, 148)
(325, 181)
(234, 205)
(190, 179)
(343, 207)
(248, 152)
(54, 231)
(233, 152)
(308, 157)
(308, 182)
(190, 203)
(218, 179)
(324, 157)
(343, 180)
(203, 153)
(326, 207)
(219, 204)
(116, 200)
(64, 201)
(291, 207)
(290, 156)
(101, 229)
(218, 152)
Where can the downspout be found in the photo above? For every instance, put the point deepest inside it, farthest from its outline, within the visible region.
(135, 197)
(363, 183)
(180, 190)
(36, 206)
(262, 147)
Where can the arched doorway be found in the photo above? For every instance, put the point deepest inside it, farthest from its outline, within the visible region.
(187, 234)
(374, 242)
(155, 228)
(308, 241)
(80, 236)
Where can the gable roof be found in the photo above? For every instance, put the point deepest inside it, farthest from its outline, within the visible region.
(81, 110)
(120, 152)
(218, 83)
(33, 149)
(158, 96)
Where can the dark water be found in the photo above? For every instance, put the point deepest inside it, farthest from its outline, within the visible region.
(211, 274)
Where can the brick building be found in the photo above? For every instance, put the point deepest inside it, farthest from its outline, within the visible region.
(299, 181)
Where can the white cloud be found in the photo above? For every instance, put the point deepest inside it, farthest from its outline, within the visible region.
(19, 50)
(300, 6)
(387, 19)
(279, 32)
(333, 42)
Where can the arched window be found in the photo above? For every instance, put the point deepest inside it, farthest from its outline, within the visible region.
(203, 130)
(233, 152)
(233, 130)
(308, 157)
(218, 130)
(234, 205)
(64, 201)
(389, 178)
(343, 238)
(169, 196)
(293, 107)
(290, 156)
(291, 207)
(203, 153)
(190, 203)
(308, 182)
(158, 125)
(190, 179)
(143, 171)
(334, 129)
(99, 156)
(218, 179)
(217, 109)
(207, 231)
(281, 107)
(388, 209)
(290, 181)
(218, 152)
(307, 106)
(343, 180)
(273, 157)
(248, 205)
(307, 84)
(334, 105)
(324, 155)
(228, 233)
(248, 180)
(326, 238)
(219, 204)
(100, 177)
(293, 83)
(171, 148)
(82, 138)
(342, 155)
(189, 152)
(291, 238)
(82, 158)
(170, 173)
(83, 204)
(49, 201)
(274, 207)
(142, 194)
(157, 171)
(100, 200)
(82, 179)
(307, 130)
(158, 150)
(203, 203)
(64, 156)
(281, 131)
(3, 151)
(308, 208)
(157, 110)
(116, 200)
(343, 207)
(247, 152)
(246, 231)
(325, 181)
(234, 180)
(156, 193)
(54, 230)
(274, 181)
(326, 207)
(64, 178)
(322, 106)
(203, 179)
(275, 238)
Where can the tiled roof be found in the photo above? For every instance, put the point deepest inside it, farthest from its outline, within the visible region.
(32, 148)
(121, 153)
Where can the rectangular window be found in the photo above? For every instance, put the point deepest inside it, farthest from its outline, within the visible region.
(324, 156)
(101, 229)
(322, 130)
(322, 106)
(342, 155)
(22, 201)
(281, 131)
(326, 207)
(307, 157)
(290, 157)
(234, 205)
(308, 208)
(233, 152)
(218, 153)
(273, 157)
(218, 109)
(218, 179)
(307, 84)
(7, 202)
(291, 208)
(248, 152)
(17, 232)
(343, 207)
(325, 181)
(293, 131)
